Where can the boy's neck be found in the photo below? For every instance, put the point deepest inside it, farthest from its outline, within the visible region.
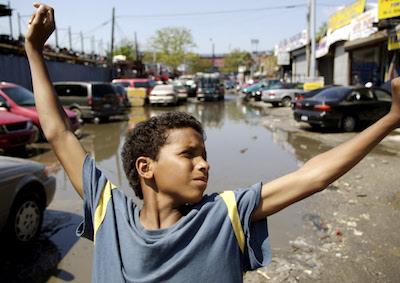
(157, 214)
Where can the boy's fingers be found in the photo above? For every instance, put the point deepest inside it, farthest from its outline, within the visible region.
(32, 18)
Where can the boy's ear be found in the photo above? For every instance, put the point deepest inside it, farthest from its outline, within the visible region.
(144, 167)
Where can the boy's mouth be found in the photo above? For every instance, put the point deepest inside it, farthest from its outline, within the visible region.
(201, 178)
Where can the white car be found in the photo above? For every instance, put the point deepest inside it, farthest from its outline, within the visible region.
(163, 94)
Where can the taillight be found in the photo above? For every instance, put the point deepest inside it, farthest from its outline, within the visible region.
(298, 105)
(322, 107)
(300, 97)
(271, 94)
(90, 101)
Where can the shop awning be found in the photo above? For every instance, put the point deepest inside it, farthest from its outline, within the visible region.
(370, 40)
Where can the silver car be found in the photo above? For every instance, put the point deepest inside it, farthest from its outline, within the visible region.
(280, 94)
(25, 191)
(163, 94)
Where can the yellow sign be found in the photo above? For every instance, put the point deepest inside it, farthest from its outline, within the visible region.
(394, 40)
(344, 16)
(136, 96)
(388, 9)
(313, 83)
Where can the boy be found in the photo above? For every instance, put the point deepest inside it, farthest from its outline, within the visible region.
(179, 234)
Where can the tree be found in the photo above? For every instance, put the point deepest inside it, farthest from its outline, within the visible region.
(235, 59)
(126, 48)
(322, 30)
(171, 45)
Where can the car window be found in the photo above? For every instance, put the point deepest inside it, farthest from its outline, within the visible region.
(2, 99)
(100, 90)
(141, 84)
(71, 90)
(124, 84)
(20, 95)
(334, 93)
(361, 95)
(164, 87)
(382, 95)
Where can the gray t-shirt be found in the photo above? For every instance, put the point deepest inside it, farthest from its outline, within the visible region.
(200, 247)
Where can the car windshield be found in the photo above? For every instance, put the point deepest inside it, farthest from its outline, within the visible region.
(20, 95)
(276, 86)
(164, 87)
(141, 84)
(124, 84)
(99, 90)
(334, 93)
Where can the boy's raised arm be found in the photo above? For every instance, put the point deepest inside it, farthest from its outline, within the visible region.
(53, 120)
(316, 174)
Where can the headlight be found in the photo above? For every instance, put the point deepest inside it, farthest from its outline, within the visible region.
(200, 90)
(258, 92)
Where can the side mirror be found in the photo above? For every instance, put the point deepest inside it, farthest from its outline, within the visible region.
(4, 104)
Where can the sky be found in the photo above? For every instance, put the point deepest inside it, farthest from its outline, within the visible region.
(226, 24)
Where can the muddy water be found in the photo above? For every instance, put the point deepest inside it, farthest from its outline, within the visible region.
(241, 152)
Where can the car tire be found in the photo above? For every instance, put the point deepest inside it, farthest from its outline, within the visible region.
(286, 101)
(25, 220)
(275, 104)
(349, 123)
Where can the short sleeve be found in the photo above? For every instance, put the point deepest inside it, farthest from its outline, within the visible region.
(93, 185)
(257, 251)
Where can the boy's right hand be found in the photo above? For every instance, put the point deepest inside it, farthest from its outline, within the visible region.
(41, 26)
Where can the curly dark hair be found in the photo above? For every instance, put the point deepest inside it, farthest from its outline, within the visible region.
(147, 138)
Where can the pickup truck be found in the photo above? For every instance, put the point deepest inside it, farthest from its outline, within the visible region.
(281, 94)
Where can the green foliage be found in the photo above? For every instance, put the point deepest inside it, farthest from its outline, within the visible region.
(322, 30)
(171, 45)
(197, 64)
(126, 48)
(235, 59)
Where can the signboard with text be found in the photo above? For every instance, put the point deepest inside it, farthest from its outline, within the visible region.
(388, 9)
(344, 16)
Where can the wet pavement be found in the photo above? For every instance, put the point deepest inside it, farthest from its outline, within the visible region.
(245, 145)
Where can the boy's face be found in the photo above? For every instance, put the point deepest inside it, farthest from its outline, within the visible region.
(181, 171)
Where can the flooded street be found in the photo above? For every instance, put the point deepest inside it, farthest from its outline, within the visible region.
(240, 150)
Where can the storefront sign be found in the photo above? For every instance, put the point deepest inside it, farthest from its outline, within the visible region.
(394, 40)
(313, 83)
(388, 9)
(292, 43)
(345, 15)
(322, 47)
(283, 58)
(362, 25)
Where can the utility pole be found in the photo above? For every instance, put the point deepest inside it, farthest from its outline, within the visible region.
(56, 35)
(137, 49)
(10, 18)
(312, 28)
(19, 25)
(70, 38)
(82, 45)
(92, 44)
(112, 38)
(308, 41)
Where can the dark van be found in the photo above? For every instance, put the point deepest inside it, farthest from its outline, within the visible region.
(90, 100)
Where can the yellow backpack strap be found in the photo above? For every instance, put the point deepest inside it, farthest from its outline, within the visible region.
(230, 201)
(101, 208)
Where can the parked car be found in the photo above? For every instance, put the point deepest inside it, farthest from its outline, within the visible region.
(181, 90)
(15, 131)
(344, 107)
(281, 94)
(256, 90)
(230, 84)
(209, 86)
(90, 100)
(137, 83)
(122, 95)
(309, 94)
(25, 191)
(21, 101)
(163, 94)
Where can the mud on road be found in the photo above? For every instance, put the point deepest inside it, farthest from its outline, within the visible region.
(350, 230)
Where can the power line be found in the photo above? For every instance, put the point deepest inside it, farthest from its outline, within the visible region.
(213, 12)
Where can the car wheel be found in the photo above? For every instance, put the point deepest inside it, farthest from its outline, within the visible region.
(78, 113)
(275, 104)
(348, 123)
(38, 134)
(25, 219)
(286, 101)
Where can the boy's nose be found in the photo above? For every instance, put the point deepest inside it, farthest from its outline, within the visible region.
(202, 165)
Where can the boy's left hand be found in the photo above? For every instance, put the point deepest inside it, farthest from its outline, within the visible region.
(395, 109)
(41, 26)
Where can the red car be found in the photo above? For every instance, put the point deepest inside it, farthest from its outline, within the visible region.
(15, 131)
(20, 101)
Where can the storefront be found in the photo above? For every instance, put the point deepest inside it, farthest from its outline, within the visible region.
(299, 64)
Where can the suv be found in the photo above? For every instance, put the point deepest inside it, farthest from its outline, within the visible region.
(89, 100)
